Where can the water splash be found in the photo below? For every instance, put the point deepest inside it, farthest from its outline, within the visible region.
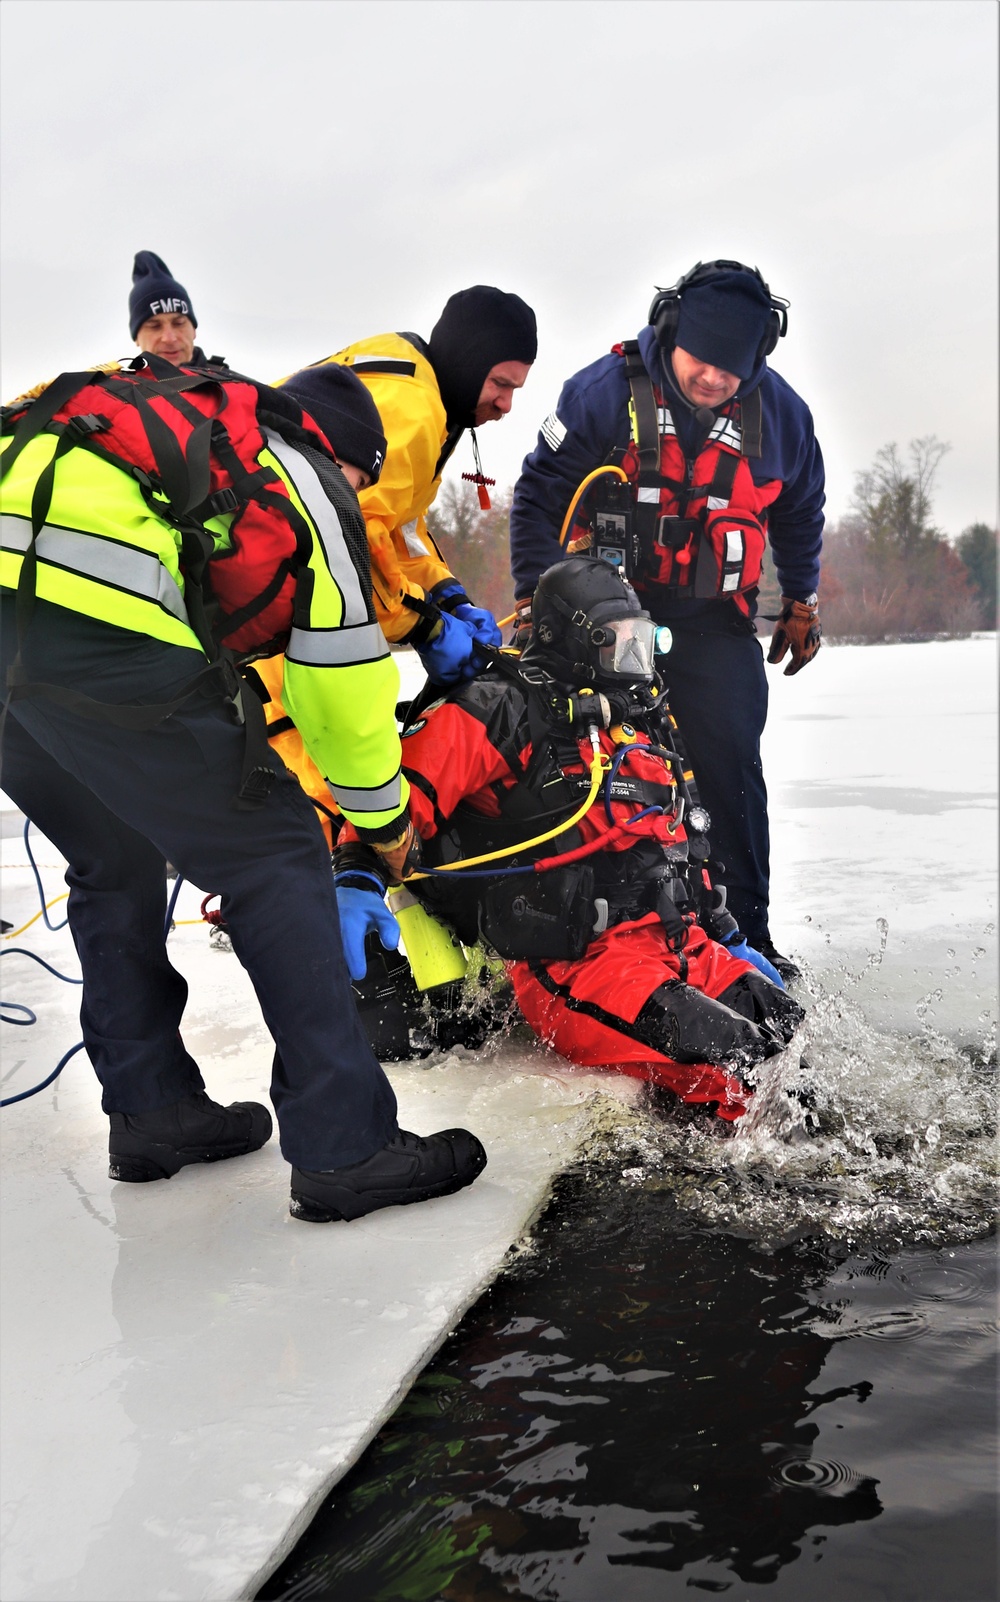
(857, 1134)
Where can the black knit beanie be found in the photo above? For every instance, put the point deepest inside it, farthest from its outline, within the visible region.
(339, 402)
(478, 328)
(155, 293)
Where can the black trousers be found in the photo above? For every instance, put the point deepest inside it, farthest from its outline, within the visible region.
(118, 804)
(715, 678)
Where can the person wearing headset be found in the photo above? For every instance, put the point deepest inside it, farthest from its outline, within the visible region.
(707, 453)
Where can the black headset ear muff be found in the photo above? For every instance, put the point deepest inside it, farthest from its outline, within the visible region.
(665, 311)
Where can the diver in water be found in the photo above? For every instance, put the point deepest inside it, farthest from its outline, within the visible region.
(562, 769)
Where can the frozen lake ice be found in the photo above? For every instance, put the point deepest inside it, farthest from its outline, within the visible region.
(186, 1370)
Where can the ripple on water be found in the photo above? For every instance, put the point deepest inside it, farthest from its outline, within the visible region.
(935, 1282)
(899, 1324)
(816, 1474)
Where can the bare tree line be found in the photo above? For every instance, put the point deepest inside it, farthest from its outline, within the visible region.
(889, 573)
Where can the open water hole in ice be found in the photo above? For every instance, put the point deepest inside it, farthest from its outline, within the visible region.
(754, 1366)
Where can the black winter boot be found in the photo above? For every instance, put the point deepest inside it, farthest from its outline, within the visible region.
(788, 970)
(154, 1145)
(410, 1168)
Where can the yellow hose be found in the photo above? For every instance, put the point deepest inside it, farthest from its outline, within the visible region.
(12, 934)
(581, 491)
(598, 767)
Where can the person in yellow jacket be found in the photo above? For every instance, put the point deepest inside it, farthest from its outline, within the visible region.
(424, 395)
(428, 392)
(127, 746)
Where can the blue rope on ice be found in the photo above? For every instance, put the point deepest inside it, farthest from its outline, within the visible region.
(31, 1017)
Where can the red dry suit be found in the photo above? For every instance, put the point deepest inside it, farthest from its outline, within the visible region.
(477, 776)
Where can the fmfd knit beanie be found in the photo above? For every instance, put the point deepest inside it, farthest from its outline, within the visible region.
(155, 292)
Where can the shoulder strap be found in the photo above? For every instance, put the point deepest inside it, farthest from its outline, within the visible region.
(751, 423)
(40, 412)
(643, 406)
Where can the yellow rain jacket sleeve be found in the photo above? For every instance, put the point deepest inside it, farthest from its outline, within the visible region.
(339, 684)
(290, 746)
(405, 559)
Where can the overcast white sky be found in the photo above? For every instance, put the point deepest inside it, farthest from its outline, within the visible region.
(315, 171)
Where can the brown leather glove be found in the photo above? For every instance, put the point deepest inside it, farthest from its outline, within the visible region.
(399, 857)
(797, 630)
(522, 623)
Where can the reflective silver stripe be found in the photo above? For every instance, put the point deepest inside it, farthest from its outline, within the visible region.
(336, 647)
(735, 554)
(725, 432)
(95, 556)
(383, 799)
(327, 525)
(553, 431)
(715, 503)
(414, 544)
(648, 497)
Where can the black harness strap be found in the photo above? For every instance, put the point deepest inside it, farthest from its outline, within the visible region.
(751, 424)
(124, 715)
(724, 477)
(74, 433)
(230, 622)
(447, 449)
(590, 1009)
(40, 412)
(647, 426)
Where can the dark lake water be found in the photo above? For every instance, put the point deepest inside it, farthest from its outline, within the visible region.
(648, 1407)
(755, 1367)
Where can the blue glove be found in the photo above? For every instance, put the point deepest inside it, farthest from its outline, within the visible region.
(363, 912)
(451, 657)
(482, 623)
(737, 946)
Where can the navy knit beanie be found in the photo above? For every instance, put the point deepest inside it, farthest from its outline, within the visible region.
(722, 322)
(155, 293)
(339, 402)
(478, 328)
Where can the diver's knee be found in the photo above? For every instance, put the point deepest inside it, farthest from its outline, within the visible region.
(758, 999)
(690, 1027)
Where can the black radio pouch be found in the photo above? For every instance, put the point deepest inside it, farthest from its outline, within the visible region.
(545, 915)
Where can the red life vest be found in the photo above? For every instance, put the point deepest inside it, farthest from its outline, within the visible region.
(701, 524)
(194, 436)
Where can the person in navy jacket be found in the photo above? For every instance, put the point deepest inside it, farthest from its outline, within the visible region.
(719, 454)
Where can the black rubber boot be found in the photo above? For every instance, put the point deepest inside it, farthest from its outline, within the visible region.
(689, 1026)
(788, 970)
(410, 1168)
(762, 1002)
(154, 1145)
